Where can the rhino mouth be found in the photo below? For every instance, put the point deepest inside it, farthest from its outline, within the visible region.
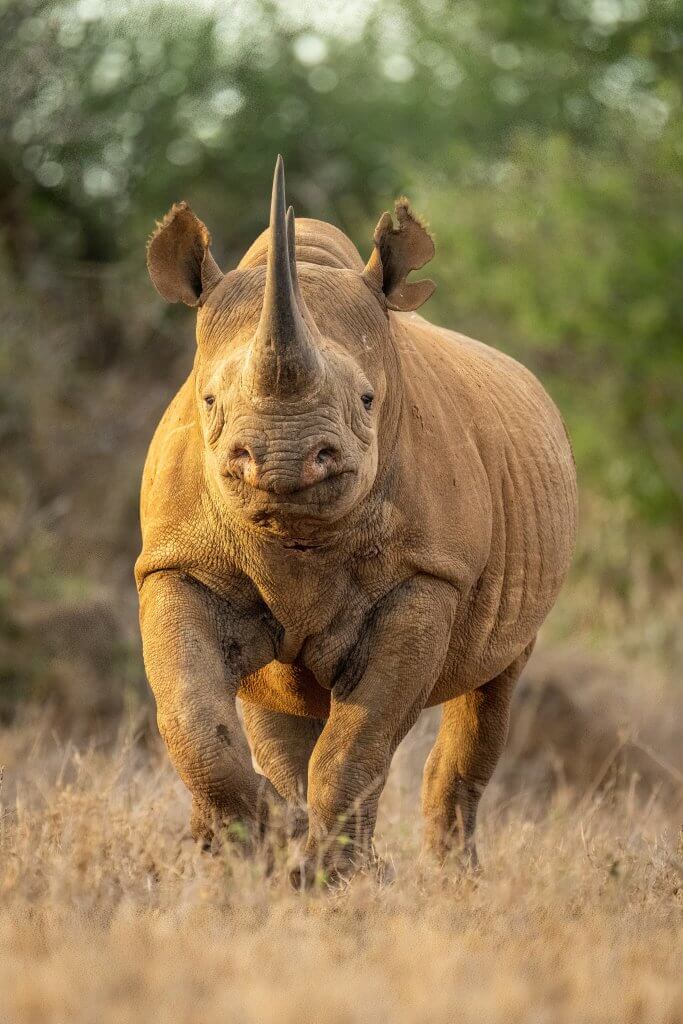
(295, 492)
(286, 496)
(294, 519)
(297, 545)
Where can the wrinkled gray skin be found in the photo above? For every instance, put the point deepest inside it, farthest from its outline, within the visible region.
(348, 515)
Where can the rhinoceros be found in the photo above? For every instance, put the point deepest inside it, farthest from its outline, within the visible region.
(348, 515)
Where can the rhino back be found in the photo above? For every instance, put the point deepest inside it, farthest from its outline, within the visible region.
(489, 483)
(316, 242)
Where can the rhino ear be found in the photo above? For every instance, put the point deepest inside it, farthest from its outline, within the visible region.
(179, 259)
(398, 251)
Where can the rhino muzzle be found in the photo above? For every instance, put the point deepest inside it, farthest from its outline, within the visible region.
(284, 473)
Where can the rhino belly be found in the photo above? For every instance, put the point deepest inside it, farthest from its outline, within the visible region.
(288, 689)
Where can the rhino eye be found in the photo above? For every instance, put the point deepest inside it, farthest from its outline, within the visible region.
(209, 400)
(367, 399)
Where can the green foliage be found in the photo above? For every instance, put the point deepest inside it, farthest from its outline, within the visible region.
(543, 140)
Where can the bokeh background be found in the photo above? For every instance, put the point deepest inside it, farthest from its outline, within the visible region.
(542, 140)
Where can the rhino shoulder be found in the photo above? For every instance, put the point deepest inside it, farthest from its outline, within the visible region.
(177, 527)
(495, 397)
(172, 443)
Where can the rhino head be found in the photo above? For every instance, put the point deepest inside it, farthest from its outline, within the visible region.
(297, 379)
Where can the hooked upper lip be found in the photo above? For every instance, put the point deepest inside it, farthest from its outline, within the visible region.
(280, 491)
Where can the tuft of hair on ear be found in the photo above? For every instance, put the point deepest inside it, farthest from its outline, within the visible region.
(398, 251)
(421, 236)
(179, 260)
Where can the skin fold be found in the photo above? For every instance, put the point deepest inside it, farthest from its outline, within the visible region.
(348, 515)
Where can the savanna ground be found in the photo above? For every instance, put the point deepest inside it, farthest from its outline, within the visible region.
(108, 911)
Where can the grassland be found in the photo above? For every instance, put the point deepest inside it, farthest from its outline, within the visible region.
(108, 912)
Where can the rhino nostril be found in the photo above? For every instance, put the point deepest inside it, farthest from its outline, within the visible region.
(240, 463)
(325, 455)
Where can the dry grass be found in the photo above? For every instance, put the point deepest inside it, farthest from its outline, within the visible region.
(109, 913)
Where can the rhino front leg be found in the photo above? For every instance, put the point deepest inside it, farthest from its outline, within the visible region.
(470, 740)
(197, 647)
(373, 706)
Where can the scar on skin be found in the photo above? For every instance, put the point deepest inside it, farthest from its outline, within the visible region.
(232, 651)
(223, 734)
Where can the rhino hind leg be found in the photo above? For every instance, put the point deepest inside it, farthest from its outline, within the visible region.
(470, 740)
(281, 745)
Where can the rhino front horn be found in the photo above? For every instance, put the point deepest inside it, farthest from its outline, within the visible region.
(283, 360)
